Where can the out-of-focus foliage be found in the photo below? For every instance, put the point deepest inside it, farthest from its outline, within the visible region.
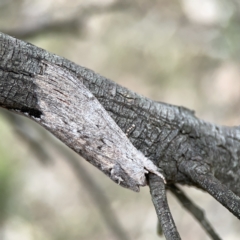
(8, 178)
(6, 184)
(184, 52)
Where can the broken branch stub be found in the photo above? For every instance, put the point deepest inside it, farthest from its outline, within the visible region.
(71, 112)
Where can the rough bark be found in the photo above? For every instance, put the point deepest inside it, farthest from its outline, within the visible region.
(159, 198)
(57, 100)
(187, 149)
(164, 133)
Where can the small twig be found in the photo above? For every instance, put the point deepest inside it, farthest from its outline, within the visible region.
(158, 193)
(194, 210)
(74, 24)
(201, 176)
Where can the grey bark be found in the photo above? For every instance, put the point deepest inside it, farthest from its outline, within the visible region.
(164, 133)
(57, 100)
(186, 148)
(159, 198)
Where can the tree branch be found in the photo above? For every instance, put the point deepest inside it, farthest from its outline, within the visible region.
(164, 133)
(82, 109)
(158, 192)
(204, 179)
(74, 24)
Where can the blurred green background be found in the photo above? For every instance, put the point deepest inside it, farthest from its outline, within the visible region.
(183, 52)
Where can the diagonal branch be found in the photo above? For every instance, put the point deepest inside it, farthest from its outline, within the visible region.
(162, 132)
(204, 179)
(90, 114)
(194, 210)
(45, 24)
(158, 192)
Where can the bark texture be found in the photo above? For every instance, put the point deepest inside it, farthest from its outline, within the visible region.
(159, 198)
(164, 133)
(56, 99)
(188, 150)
